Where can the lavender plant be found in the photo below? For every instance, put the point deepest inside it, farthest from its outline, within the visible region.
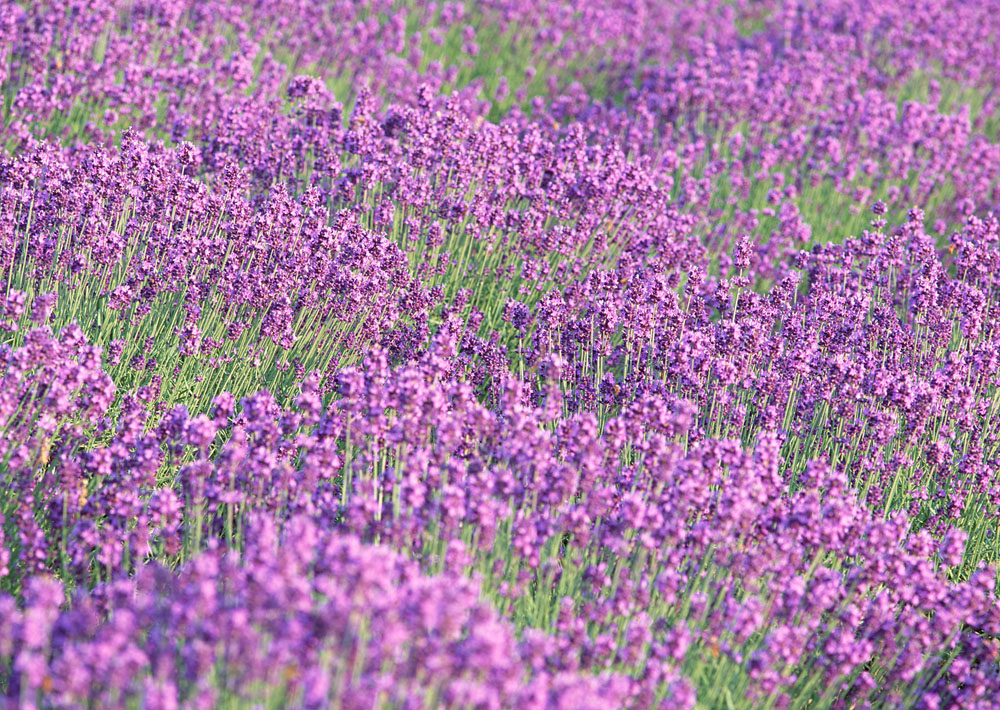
(499, 355)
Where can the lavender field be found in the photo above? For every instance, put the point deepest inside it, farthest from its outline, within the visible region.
(499, 354)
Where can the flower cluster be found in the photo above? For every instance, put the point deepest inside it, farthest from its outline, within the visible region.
(315, 619)
(499, 355)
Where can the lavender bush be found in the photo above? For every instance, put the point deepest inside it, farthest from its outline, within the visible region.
(405, 354)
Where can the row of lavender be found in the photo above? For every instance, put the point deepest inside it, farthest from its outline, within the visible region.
(550, 392)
